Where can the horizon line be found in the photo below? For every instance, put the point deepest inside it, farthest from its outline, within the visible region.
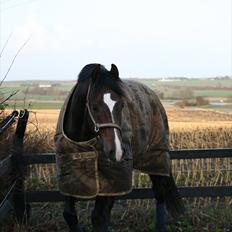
(137, 78)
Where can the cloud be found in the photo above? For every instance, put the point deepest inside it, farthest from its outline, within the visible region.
(43, 37)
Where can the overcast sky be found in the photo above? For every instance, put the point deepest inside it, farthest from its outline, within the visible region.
(147, 39)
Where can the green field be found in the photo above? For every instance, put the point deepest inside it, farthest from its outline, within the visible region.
(51, 94)
(35, 105)
(213, 93)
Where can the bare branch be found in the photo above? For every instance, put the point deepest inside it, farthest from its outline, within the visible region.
(10, 96)
(4, 46)
(12, 62)
(25, 97)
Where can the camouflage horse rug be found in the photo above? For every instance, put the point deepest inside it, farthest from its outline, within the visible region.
(84, 172)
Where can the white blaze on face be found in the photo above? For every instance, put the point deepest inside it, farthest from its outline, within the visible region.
(110, 103)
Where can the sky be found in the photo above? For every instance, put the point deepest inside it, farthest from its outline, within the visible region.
(145, 39)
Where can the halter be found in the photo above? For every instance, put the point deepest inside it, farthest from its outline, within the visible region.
(98, 126)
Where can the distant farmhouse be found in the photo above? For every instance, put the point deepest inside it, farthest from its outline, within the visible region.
(49, 85)
(41, 85)
(168, 79)
(44, 85)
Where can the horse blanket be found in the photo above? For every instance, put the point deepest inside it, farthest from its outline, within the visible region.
(83, 169)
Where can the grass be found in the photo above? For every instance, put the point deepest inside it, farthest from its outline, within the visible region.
(189, 130)
(220, 108)
(187, 83)
(33, 105)
(213, 217)
(169, 89)
(212, 93)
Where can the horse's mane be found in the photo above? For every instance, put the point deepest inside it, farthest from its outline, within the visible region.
(76, 107)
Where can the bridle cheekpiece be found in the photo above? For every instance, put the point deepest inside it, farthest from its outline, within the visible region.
(98, 126)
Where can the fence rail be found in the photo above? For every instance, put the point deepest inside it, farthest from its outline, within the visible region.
(137, 193)
(46, 158)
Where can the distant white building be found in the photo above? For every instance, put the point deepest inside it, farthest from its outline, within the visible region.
(45, 85)
(167, 79)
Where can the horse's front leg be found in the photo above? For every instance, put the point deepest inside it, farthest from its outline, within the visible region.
(101, 213)
(70, 215)
(161, 212)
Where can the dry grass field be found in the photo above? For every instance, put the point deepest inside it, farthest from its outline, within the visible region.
(177, 117)
(189, 129)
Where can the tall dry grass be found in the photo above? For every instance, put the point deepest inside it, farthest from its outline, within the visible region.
(188, 130)
(188, 134)
(202, 213)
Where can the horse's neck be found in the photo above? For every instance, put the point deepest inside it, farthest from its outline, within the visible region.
(78, 127)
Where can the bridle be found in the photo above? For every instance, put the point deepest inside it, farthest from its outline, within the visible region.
(98, 126)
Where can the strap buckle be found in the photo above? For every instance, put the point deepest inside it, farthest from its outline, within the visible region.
(96, 128)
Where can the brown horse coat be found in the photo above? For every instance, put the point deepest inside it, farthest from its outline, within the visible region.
(83, 170)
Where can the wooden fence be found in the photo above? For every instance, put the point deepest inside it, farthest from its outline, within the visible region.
(13, 167)
(18, 198)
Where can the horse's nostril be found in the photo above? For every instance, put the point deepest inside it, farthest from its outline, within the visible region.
(110, 153)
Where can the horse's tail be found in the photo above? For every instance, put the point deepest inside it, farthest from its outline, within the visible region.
(165, 189)
(173, 199)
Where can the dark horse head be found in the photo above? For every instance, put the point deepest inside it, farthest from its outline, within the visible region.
(94, 109)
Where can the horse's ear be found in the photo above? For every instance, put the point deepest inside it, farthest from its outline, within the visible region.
(96, 72)
(114, 70)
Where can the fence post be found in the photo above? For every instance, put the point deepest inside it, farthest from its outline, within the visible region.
(20, 207)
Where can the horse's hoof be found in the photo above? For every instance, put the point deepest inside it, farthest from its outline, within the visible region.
(103, 228)
(161, 229)
(77, 228)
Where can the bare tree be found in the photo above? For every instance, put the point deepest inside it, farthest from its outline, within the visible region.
(10, 67)
(14, 58)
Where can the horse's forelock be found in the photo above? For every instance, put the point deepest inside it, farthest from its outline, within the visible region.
(105, 80)
(86, 73)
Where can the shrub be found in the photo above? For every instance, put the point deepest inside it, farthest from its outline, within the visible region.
(200, 101)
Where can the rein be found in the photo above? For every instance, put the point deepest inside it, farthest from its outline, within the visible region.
(98, 126)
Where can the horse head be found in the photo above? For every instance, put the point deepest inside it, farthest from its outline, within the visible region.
(104, 102)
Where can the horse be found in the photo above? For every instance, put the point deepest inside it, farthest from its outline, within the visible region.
(106, 128)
